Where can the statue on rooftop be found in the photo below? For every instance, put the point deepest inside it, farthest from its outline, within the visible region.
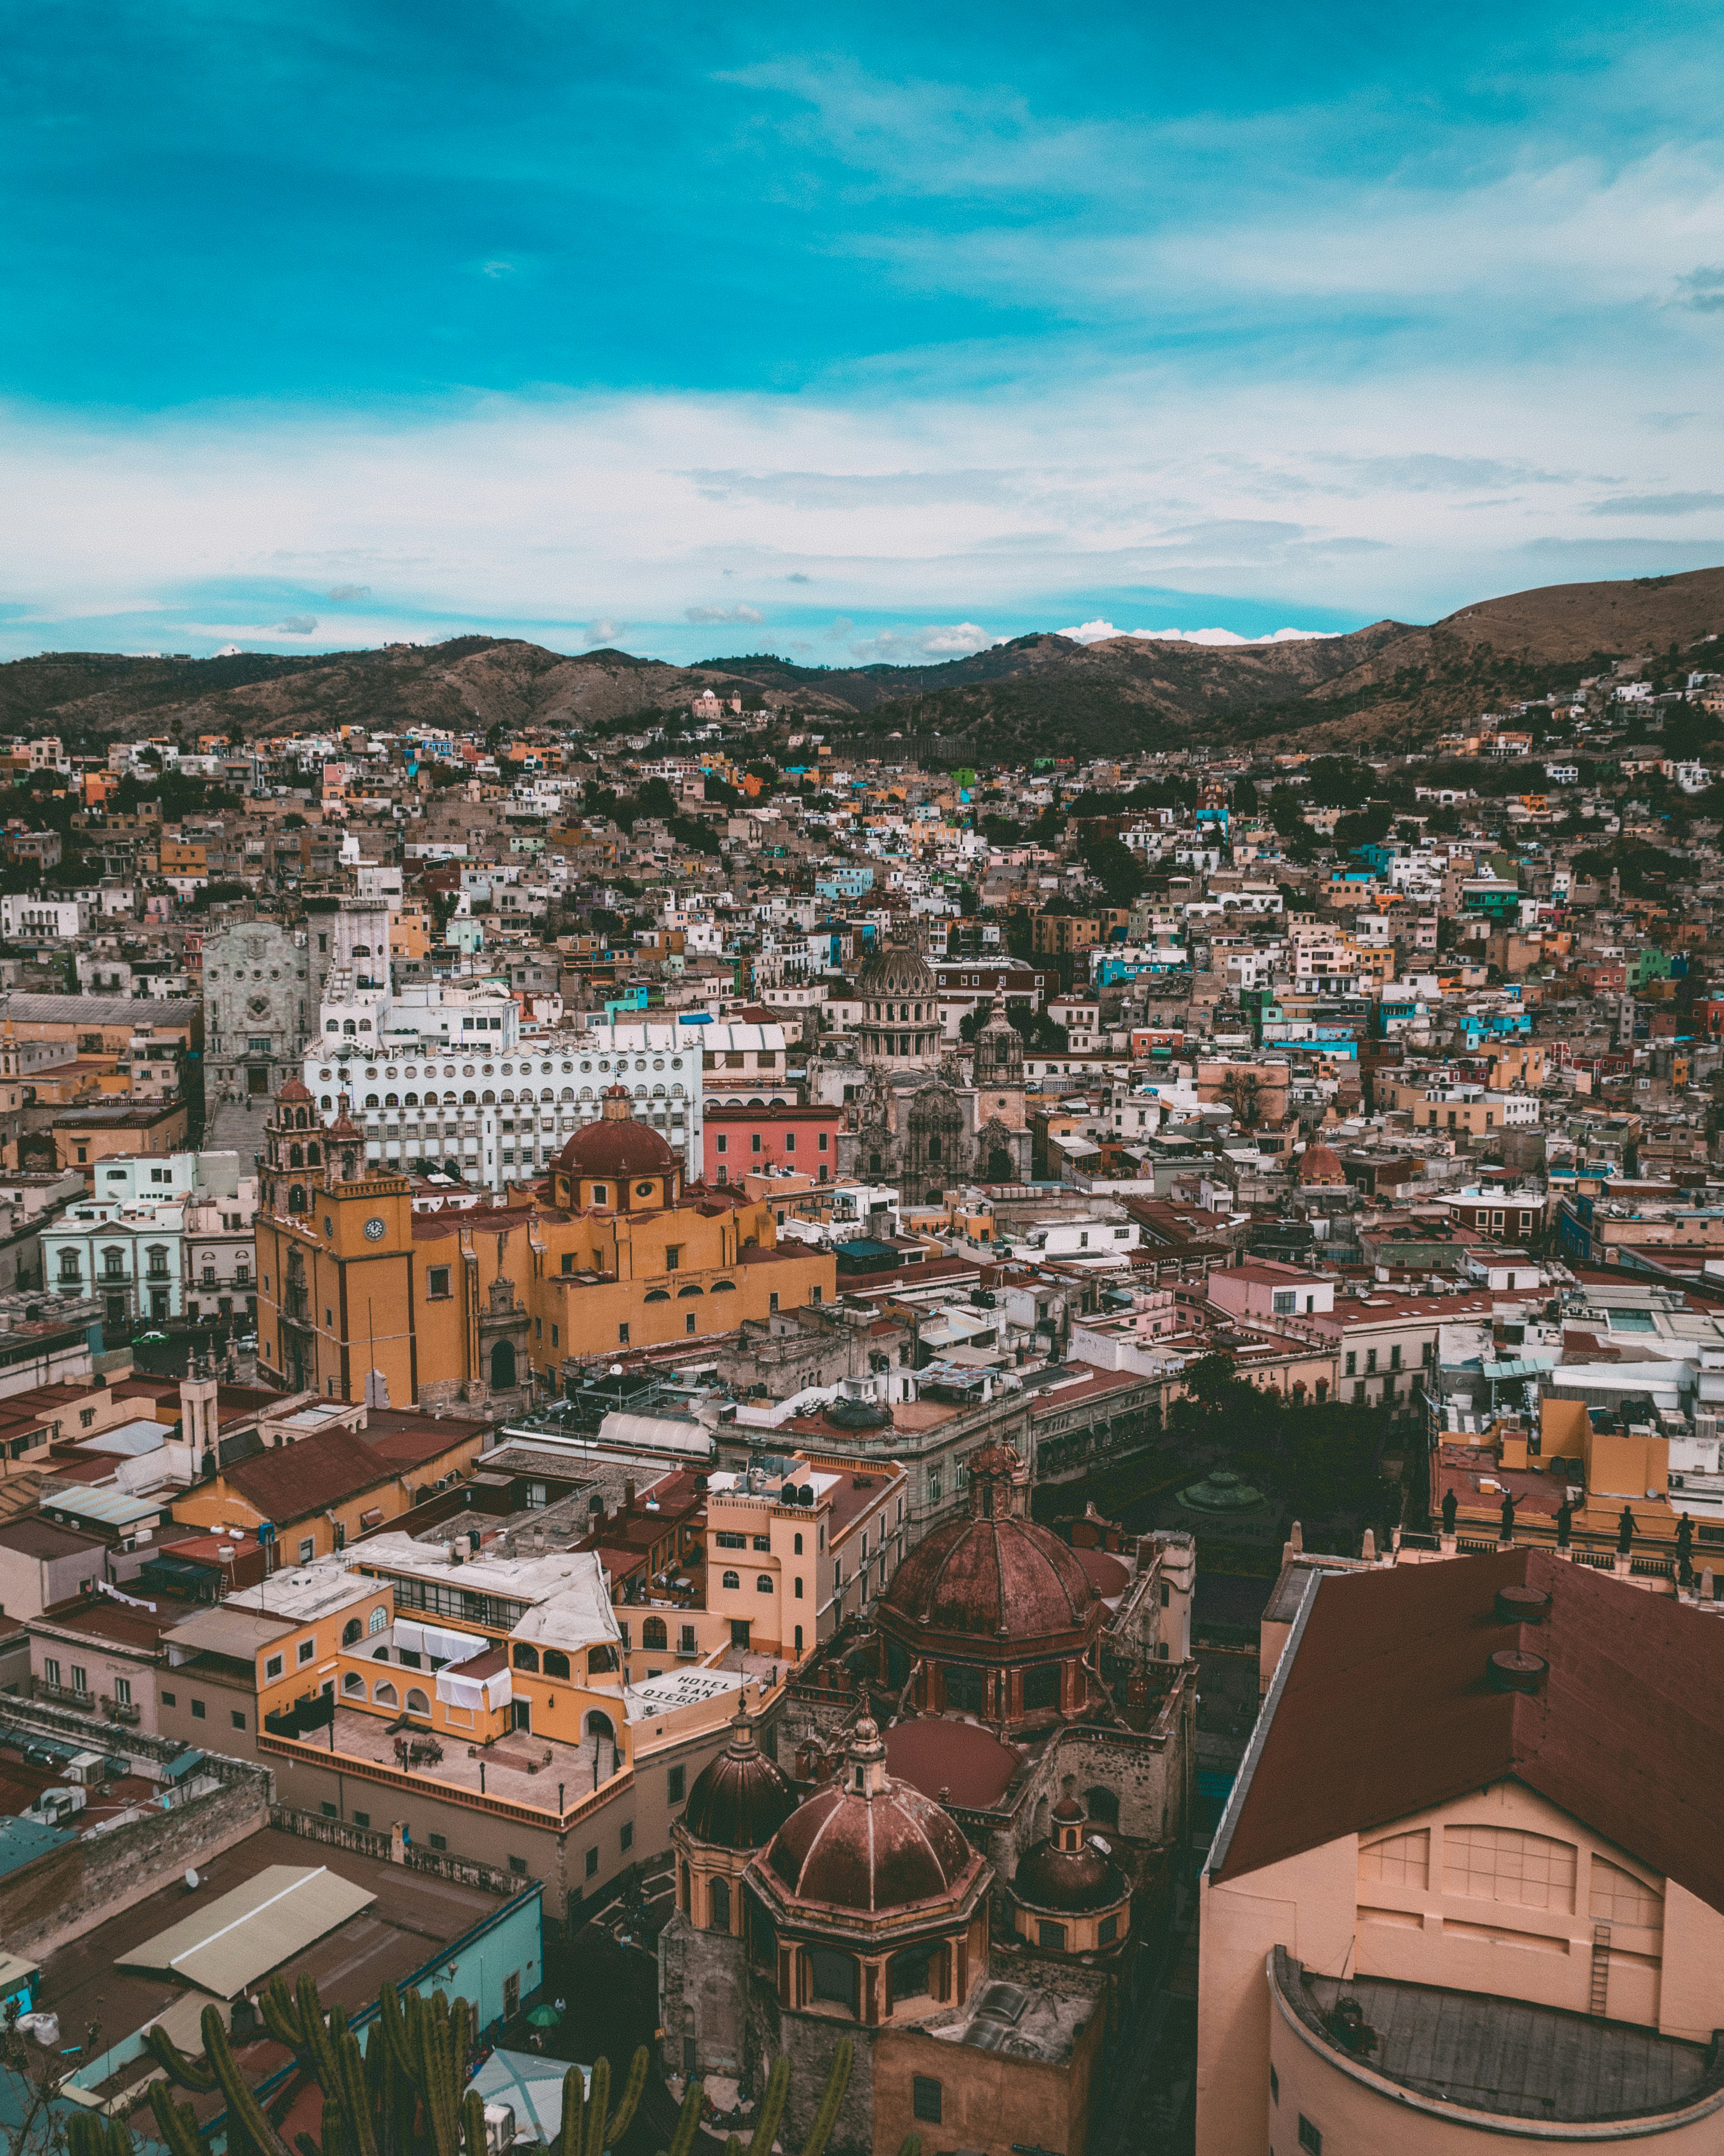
(1625, 1534)
(1449, 1508)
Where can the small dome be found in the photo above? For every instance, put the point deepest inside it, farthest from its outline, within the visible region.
(867, 1842)
(1067, 1870)
(1221, 1490)
(1318, 1164)
(741, 1799)
(616, 1146)
(295, 1092)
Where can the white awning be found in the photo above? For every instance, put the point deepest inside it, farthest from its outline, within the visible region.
(234, 1942)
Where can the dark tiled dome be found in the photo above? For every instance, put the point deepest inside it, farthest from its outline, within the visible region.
(1051, 1876)
(617, 1146)
(897, 969)
(880, 1846)
(994, 1576)
(741, 1799)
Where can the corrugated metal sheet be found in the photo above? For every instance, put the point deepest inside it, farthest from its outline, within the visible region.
(234, 1942)
(657, 1433)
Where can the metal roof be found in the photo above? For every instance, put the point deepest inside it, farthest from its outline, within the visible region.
(237, 1939)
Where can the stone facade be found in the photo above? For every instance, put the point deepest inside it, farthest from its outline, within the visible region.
(259, 1002)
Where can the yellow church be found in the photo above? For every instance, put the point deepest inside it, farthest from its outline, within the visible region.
(361, 1298)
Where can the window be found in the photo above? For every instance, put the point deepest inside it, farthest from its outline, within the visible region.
(236, 1717)
(762, 1583)
(731, 1579)
(592, 1863)
(1107, 1931)
(675, 1785)
(1352, 1362)
(517, 1865)
(622, 1336)
(306, 1650)
(308, 1550)
(50, 1671)
(626, 1837)
(924, 2099)
(198, 1707)
(436, 1283)
(272, 1668)
(1051, 1935)
(122, 1692)
(1310, 2138)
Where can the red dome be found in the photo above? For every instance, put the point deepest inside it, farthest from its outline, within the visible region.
(1318, 1164)
(616, 1146)
(295, 1090)
(882, 1845)
(999, 1579)
(741, 1799)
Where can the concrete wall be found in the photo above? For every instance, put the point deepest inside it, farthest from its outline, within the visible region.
(76, 1887)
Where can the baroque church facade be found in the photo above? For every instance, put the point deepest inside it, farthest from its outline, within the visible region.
(920, 1114)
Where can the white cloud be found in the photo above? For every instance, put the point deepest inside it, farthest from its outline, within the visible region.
(1229, 636)
(1089, 632)
(906, 647)
(604, 631)
(297, 624)
(713, 613)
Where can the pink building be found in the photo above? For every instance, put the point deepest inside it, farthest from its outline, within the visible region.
(1263, 1289)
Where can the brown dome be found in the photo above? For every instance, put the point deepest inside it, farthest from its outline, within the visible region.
(870, 1843)
(1318, 1164)
(741, 1799)
(995, 1576)
(1067, 1870)
(295, 1091)
(617, 1147)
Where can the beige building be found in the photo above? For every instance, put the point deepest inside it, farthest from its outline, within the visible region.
(1467, 1890)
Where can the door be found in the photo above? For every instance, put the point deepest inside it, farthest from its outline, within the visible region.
(158, 1302)
(521, 1714)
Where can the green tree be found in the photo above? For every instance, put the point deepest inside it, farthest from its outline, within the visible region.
(1116, 867)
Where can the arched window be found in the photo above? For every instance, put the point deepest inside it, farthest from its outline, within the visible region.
(313, 1154)
(731, 1579)
(372, 1100)
(379, 1620)
(654, 1636)
(525, 1657)
(556, 1663)
(718, 1895)
(600, 1726)
(469, 1099)
(686, 1294)
(417, 1702)
(384, 1693)
(391, 1100)
(502, 1366)
(488, 1099)
(1102, 1805)
(410, 1099)
(911, 1971)
(762, 1583)
(832, 1976)
(353, 1685)
(352, 1633)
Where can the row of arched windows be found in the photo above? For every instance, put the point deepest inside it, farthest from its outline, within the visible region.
(763, 1583)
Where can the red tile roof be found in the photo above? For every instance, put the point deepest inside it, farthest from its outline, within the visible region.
(295, 1479)
(1386, 1709)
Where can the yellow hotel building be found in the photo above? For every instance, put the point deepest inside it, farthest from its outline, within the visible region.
(361, 1298)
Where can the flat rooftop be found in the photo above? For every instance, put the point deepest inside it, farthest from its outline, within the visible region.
(576, 1768)
(414, 1914)
(1503, 2056)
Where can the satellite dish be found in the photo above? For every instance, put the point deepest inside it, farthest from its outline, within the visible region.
(192, 1882)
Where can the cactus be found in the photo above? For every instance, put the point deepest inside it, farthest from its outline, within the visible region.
(88, 2134)
(771, 2110)
(406, 2094)
(826, 2117)
(682, 2142)
(911, 2145)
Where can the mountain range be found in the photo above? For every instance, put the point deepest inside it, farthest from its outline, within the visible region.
(1391, 684)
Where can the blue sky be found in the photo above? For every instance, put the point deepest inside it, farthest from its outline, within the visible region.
(850, 333)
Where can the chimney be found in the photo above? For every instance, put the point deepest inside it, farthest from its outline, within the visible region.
(629, 1495)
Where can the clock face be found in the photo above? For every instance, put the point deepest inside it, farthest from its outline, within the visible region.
(374, 1230)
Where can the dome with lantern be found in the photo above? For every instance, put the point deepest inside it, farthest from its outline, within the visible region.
(1318, 1164)
(741, 1799)
(617, 1162)
(870, 1843)
(999, 1606)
